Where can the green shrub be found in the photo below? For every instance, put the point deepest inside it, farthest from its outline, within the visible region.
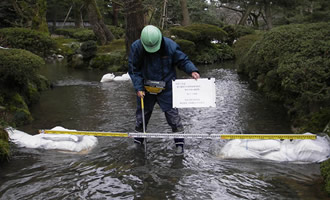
(42, 83)
(195, 41)
(236, 31)
(207, 56)
(37, 42)
(88, 49)
(242, 47)
(207, 32)
(22, 117)
(84, 35)
(187, 46)
(18, 107)
(66, 46)
(225, 52)
(18, 67)
(325, 172)
(3, 134)
(118, 32)
(113, 62)
(115, 45)
(68, 32)
(183, 33)
(199, 33)
(291, 64)
(4, 149)
(20, 83)
(81, 34)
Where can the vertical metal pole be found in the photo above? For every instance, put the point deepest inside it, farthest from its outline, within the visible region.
(164, 14)
(144, 127)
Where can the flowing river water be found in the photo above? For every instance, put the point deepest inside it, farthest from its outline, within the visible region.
(115, 170)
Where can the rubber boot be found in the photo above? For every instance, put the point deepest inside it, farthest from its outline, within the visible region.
(138, 141)
(179, 142)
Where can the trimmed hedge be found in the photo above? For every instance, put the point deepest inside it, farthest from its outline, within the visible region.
(199, 33)
(38, 43)
(20, 83)
(85, 34)
(17, 68)
(236, 31)
(291, 64)
(81, 34)
(195, 41)
(242, 46)
(188, 47)
(113, 62)
(183, 33)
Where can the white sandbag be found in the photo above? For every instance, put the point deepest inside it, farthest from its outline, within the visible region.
(285, 153)
(261, 146)
(306, 151)
(64, 142)
(107, 77)
(124, 77)
(313, 151)
(233, 149)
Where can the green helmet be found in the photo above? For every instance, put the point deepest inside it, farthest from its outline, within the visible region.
(151, 38)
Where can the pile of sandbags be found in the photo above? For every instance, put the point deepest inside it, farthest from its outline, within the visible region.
(307, 151)
(111, 77)
(73, 143)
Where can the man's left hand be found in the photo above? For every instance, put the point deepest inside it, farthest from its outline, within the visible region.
(195, 75)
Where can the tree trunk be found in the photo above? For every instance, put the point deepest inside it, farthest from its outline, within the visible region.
(100, 30)
(185, 13)
(255, 19)
(78, 20)
(134, 21)
(115, 8)
(268, 14)
(164, 15)
(245, 16)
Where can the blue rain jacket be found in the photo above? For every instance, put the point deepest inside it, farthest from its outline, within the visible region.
(158, 66)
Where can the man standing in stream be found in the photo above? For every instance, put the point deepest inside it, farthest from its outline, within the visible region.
(152, 61)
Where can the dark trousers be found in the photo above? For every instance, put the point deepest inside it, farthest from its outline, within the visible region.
(172, 117)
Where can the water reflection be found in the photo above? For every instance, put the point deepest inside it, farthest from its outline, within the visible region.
(115, 170)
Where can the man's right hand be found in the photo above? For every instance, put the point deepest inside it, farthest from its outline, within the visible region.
(140, 94)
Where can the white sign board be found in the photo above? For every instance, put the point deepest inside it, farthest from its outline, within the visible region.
(189, 93)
